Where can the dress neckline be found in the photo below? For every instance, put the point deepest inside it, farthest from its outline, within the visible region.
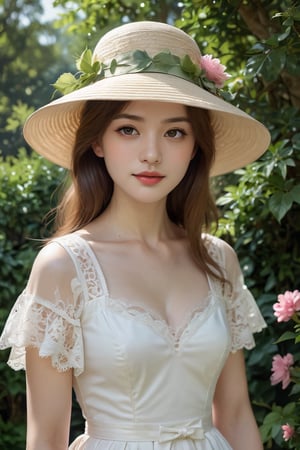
(173, 334)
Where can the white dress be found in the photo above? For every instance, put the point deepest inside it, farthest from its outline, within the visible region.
(140, 385)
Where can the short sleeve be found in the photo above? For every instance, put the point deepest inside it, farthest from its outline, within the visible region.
(47, 314)
(243, 314)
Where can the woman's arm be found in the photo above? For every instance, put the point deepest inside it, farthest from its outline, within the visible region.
(232, 412)
(49, 399)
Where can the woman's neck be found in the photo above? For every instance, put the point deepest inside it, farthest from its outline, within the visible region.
(145, 222)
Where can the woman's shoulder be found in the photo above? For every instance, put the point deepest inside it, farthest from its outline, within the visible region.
(52, 261)
(53, 255)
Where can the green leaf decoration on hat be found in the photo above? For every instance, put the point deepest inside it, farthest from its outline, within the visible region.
(90, 71)
(133, 62)
(66, 83)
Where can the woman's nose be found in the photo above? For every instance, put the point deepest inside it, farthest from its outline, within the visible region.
(150, 151)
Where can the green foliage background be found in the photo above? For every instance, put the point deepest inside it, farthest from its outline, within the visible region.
(259, 205)
(26, 187)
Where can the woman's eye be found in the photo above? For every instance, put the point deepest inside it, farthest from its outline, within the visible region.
(175, 133)
(127, 131)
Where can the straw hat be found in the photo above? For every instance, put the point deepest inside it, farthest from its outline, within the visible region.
(239, 138)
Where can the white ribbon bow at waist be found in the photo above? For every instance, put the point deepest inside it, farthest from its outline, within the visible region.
(164, 435)
(167, 434)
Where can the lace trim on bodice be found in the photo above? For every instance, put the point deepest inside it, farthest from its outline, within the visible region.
(242, 312)
(174, 336)
(97, 287)
(87, 265)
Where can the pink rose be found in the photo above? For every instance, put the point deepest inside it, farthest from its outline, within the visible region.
(214, 70)
(281, 369)
(287, 432)
(288, 303)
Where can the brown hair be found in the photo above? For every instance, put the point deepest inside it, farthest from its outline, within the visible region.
(190, 205)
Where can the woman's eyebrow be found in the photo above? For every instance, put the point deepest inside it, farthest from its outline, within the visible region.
(128, 116)
(177, 119)
(141, 119)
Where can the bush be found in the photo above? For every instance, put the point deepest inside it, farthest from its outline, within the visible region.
(260, 212)
(27, 184)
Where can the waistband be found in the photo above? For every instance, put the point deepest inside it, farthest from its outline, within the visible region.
(161, 433)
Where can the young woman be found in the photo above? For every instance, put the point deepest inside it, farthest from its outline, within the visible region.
(132, 303)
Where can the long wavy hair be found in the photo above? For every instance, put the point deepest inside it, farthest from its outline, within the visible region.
(190, 205)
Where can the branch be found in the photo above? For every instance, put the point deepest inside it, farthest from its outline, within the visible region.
(292, 84)
(257, 19)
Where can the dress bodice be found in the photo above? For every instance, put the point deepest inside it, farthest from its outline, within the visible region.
(136, 379)
(149, 373)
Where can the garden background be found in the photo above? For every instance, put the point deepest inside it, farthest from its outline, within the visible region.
(259, 42)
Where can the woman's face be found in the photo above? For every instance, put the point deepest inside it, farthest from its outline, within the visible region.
(147, 149)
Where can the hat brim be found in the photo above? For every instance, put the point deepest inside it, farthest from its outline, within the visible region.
(239, 138)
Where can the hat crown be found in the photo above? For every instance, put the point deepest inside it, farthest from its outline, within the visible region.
(152, 37)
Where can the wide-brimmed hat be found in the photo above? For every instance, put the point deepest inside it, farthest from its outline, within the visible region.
(156, 62)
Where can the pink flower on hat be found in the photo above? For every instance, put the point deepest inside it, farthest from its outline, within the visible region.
(287, 431)
(281, 369)
(214, 70)
(288, 303)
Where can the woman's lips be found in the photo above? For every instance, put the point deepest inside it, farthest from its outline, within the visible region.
(149, 178)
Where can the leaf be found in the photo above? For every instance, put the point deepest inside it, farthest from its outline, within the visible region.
(273, 417)
(292, 65)
(295, 12)
(286, 336)
(290, 162)
(269, 64)
(289, 409)
(275, 39)
(289, 22)
(85, 79)
(134, 62)
(272, 41)
(84, 63)
(257, 48)
(96, 66)
(295, 389)
(265, 431)
(276, 429)
(65, 83)
(254, 64)
(280, 203)
(166, 59)
(113, 66)
(187, 64)
(269, 168)
(283, 169)
(295, 192)
(209, 85)
(273, 64)
(141, 60)
(296, 141)
(284, 35)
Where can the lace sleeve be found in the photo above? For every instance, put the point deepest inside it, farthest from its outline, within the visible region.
(244, 319)
(50, 322)
(242, 311)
